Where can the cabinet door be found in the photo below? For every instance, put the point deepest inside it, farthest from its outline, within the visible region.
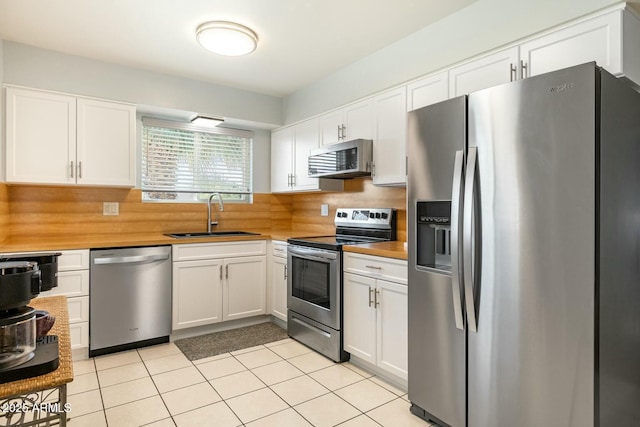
(358, 120)
(41, 137)
(106, 143)
(330, 127)
(491, 70)
(245, 287)
(597, 39)
(279, 288)
(281, 159)
(390, 139)
(392, 326)
(359, 316)
(197, 293)
(427, 91)
(306, 139)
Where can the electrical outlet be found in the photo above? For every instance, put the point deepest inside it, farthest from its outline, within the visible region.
(324, 210)
(110, 208)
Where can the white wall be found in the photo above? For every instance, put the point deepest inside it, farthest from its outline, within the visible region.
(45, 69)
(49, 70)
(480, 27)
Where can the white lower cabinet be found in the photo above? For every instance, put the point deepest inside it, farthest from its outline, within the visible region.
(375, 312)
(197, 293)
(73, 282)
(244, 288)
(278, 280)
(209, 288)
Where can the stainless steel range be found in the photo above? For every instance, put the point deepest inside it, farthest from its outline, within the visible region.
(314, 283)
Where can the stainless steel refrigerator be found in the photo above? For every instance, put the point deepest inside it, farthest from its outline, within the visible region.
(524, 254)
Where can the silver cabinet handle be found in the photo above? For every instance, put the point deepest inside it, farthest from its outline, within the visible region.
(221, 272)
(293, 180)
(370, 295)
(512, 72)
(79, 169)
(373, 267)
(226, 271)
(285, 272)
(344, 132)
(523, 69)
(471, 213)
(339, 129)
(71, 169)
(376, 295)
(129, 259)
(457, 284)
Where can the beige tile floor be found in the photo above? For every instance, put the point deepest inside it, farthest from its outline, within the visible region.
(278, 384)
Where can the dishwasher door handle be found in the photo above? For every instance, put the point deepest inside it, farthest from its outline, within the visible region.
(130, 259)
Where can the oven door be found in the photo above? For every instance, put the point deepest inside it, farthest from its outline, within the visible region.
(313, 284)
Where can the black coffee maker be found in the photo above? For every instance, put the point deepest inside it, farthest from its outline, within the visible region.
(22, 353)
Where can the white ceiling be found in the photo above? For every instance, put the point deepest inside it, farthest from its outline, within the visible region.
(300, 40)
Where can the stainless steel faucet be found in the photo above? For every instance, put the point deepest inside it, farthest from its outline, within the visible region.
(220, 209)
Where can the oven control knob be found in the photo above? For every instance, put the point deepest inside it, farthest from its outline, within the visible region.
(377, 215)
(385, 215)
(372, 215)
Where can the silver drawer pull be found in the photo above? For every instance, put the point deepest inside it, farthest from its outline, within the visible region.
(373, 267)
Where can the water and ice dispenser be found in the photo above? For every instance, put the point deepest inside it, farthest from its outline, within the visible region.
(434, 234)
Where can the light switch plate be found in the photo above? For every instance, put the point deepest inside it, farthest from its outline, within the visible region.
(110, 208)
(324, 210)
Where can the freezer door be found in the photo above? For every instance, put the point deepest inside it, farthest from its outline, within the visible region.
(531, 361)
(436, 346)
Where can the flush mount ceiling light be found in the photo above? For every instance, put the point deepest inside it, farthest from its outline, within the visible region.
(226, 38)
(205, 121)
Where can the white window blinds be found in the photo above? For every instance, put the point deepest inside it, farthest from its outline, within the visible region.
(182, 162)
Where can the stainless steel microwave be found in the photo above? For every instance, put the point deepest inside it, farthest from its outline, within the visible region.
(348, 159)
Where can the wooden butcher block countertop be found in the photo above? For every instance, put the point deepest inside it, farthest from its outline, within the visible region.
(394, 249)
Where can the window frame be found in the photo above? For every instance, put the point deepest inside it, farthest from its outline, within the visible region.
(199, 196)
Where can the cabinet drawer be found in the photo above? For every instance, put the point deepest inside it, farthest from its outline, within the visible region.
(78, 309)
(71, 284)
(378, 267)
(279, 249)
(200, 251)
(79, 334)
(74, 260)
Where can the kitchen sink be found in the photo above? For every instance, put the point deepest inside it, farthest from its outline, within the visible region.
(211, 234)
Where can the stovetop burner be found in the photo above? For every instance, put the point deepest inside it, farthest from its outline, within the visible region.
(354, 226)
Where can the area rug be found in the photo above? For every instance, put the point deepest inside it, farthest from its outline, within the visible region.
(232, 340)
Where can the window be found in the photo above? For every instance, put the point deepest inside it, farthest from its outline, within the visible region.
(185, 163)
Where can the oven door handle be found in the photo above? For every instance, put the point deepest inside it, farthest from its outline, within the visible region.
(313, 255)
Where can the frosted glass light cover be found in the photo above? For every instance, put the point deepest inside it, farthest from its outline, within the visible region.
(226, 38)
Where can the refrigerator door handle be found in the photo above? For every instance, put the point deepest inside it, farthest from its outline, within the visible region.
(457, 284)
(468, 242)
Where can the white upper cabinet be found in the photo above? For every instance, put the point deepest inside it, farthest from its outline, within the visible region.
(601, 39)
(487, 71)
(427, 91)
(55, 138)
(612, 40)
(354, 121)
(290, 148)
(41, 136)
(106, 149)
(390, 138)
(306, 139)
(282, 141)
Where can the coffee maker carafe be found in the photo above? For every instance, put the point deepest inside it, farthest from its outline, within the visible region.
(21, 353)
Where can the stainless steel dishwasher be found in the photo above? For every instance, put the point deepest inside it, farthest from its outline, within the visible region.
(130, 298)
